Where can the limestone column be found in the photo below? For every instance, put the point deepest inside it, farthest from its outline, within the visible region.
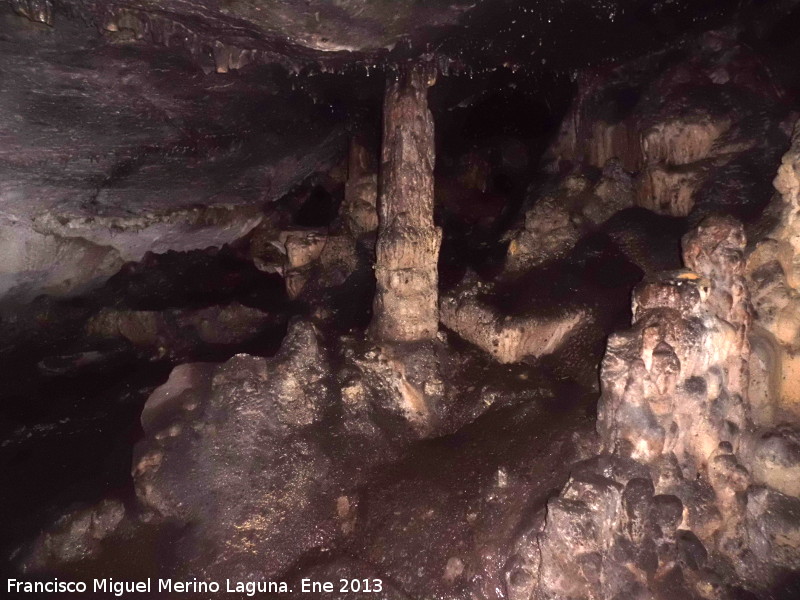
(407, 251)
(360, 210)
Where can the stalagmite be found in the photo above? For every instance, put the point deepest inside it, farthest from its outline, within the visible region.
(361, 191)
(405, 308)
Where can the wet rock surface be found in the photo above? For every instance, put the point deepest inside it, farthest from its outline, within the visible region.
(251, 328)
(673, 497)
(228, 456)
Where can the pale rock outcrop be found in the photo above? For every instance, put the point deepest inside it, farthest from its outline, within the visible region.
(27, 258)
(156, 231)
(669, 190)
(689, 498)
(508, 339)
(651, 133)
(773, 270)
(705, 338)
(66, 254)
(682, 142)
(693, 131)
(595, 140)
(613, 140)
(680, 152)
(776, 460)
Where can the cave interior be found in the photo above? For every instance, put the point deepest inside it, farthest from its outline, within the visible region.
(488, 300)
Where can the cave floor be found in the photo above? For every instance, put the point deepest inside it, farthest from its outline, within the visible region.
(70, 418)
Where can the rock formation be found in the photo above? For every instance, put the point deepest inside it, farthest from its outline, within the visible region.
(229, 452)
(508, 339)
(773, 270)
(690, 150)
(407, 250)
(564, 213)
(678, 503)
(316, 260)
(177, 332)
(119, 175)
(77, 535)
(322, 258)
(361, 190)
(258, 322)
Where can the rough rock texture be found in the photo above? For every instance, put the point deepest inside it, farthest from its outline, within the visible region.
(508, 339)
(229, 452)
(475, 492)
(773, 270)
(404, 383)
(361, 191)
(564, 213)
(408, 456)
(674, 505)
(76, 536)
(33, 263)
(682, 133)
(243, 32)
(648, 240)
(176, 332)
(329, 35)
(701, 133)
(318, 258)
(407, 250)
(711, 336)
(94, 174)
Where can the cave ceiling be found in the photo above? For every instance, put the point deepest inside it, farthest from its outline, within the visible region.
(144, 116)
(338, 32)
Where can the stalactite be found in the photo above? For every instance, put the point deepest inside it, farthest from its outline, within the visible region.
(40, 11)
